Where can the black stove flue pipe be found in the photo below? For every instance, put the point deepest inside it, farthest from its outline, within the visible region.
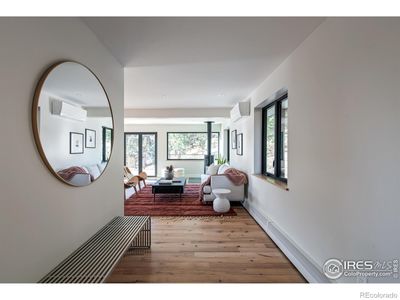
(208, 158)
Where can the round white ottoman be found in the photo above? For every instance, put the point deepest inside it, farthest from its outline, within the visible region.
(221, 203)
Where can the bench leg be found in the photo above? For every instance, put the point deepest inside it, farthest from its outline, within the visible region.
(143, 239)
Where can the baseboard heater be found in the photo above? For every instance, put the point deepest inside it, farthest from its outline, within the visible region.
(304, 265)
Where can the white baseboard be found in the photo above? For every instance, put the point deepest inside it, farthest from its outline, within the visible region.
(305, 265)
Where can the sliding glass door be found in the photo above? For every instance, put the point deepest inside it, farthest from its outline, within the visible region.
(141, 152)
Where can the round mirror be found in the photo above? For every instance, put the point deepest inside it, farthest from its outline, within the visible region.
(72, 123)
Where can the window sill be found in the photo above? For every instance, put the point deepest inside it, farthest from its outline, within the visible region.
(194, 159)
(273, 181)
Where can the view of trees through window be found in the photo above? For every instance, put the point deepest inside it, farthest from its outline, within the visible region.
(132, 152)
(191, 145)
(275, 139)
(107, 143)
(270, 155)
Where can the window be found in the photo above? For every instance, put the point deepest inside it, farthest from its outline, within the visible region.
(141, 152)
(107, 137)
(275, 139)
(190, 145)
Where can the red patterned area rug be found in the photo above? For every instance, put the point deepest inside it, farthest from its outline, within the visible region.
(142, 203)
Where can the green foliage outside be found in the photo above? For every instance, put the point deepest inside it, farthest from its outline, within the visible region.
(190, 145)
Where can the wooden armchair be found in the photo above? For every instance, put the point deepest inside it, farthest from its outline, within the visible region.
(131, 181)
(134, 180)
(142, 177)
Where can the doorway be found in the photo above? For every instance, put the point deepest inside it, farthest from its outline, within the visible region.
(141, 152)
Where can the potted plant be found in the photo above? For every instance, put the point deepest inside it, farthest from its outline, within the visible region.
(169, 172)
(221, 160)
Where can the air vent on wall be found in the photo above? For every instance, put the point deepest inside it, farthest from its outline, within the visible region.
(66, 110)
(241, 109)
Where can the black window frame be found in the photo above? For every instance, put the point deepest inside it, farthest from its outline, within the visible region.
(189, 132)
(140, 154)
(103, 138)
(278, 139)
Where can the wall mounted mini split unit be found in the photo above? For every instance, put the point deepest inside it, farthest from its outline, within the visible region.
(241, 109)
(69, 111)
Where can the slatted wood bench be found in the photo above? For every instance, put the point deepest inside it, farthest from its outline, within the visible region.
(94, 260)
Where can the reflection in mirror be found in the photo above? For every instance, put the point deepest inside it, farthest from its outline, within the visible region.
(73, 124)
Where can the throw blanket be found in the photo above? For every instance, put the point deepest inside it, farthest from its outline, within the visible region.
(68, 173)
(234, 175)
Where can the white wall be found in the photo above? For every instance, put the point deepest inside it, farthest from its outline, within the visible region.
(42, 220)
(201, 112)
(55, 137)
(344, 125)
(193, 168)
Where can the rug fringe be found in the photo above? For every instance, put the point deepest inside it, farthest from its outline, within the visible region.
(203, 218)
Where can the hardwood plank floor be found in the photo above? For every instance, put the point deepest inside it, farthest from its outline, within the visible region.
(207, 250)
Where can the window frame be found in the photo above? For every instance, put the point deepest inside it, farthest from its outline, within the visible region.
(103, 138)
(189, 132)
(278, 139)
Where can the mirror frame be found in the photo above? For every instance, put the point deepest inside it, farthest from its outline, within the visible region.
(34, 118)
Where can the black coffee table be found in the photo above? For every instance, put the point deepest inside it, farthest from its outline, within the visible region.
(176, 187)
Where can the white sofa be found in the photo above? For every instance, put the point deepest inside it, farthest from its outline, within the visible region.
(80, 179)
(221, 181)
(85, 179)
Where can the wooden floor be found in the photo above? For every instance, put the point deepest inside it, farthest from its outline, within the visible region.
(207, 250)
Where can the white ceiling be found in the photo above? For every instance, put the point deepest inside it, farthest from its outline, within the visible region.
(184, 121)
(75, 83)
(198, 62)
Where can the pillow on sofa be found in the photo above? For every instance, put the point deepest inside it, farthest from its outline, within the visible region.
(212, 169)
(223, 168)
(93, 171)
